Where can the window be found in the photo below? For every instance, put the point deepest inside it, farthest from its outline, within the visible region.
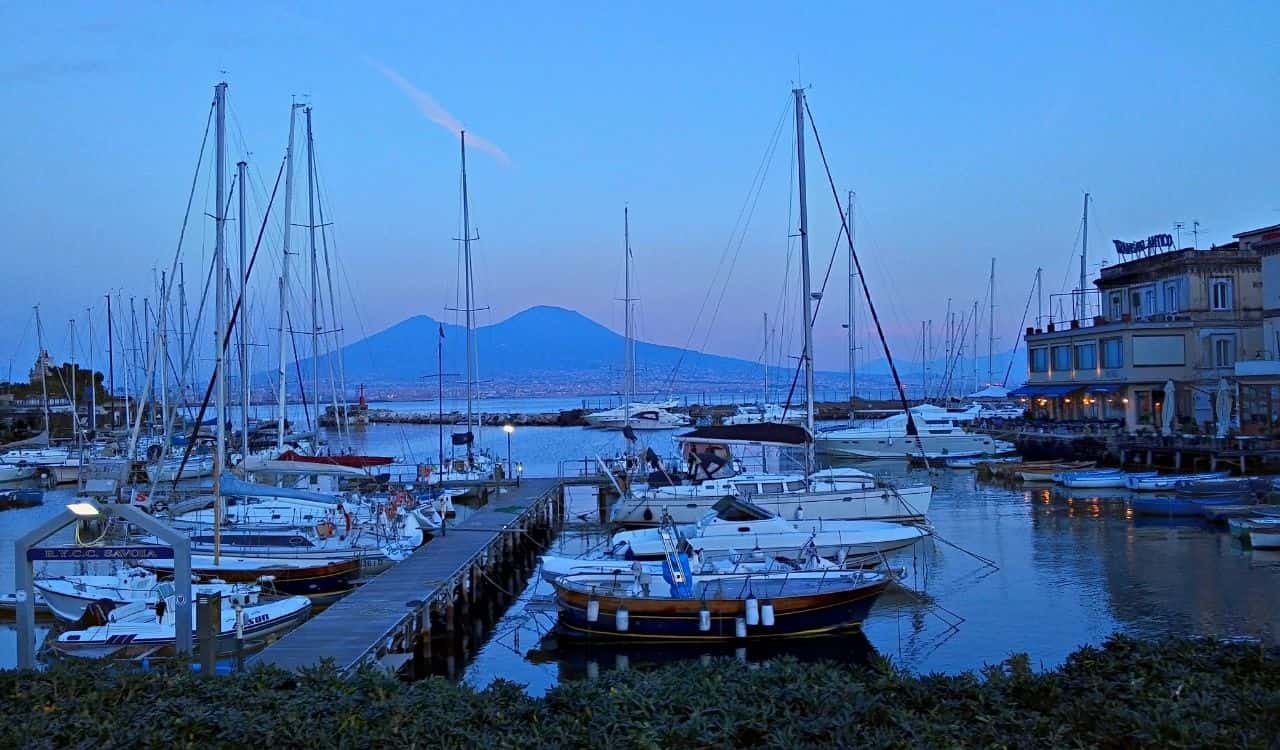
(1062, 358)
(1039, 358)
(1117, 305)
(1148, 299)
(1224, 351)
(1172, 296)
(1135, 303)
(1086, 356)
(1220, 293)
(795, 486)
(1113, 353)
(771, 488)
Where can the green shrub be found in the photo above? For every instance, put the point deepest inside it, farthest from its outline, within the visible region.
(1128, 693)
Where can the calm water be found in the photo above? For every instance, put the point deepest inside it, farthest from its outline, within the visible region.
(1068, 570)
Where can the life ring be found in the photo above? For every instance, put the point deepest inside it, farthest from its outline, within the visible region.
(140, 498)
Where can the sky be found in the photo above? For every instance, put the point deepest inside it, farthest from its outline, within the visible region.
(969, 132)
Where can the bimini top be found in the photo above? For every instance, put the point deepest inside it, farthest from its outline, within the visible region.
(761, 433)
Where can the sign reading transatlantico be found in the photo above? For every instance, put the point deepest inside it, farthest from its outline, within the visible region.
(1150, 244)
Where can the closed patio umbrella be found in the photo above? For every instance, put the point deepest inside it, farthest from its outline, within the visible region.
(1222, 407)
(1166, 411)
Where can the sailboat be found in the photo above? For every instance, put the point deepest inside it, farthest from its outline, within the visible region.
(632, 414)
(830, 494)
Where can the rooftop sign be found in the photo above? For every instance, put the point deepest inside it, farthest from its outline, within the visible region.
(1150, 244)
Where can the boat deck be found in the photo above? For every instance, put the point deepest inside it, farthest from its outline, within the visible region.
(351, 629)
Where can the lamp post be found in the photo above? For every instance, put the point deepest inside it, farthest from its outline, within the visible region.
(508, 428)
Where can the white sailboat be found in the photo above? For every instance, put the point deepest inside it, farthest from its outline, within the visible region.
(941, 434)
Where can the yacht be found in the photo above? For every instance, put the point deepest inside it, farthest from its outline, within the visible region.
(753, 414)
(639, 416)
(941, 435)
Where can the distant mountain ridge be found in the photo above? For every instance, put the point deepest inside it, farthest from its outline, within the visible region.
(546, 347)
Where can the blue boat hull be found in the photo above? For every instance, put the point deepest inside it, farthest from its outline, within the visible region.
(1174, 506)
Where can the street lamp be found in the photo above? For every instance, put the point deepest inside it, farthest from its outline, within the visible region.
(508, 428)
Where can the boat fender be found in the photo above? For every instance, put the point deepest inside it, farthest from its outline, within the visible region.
(704, 619)
(593, 610)
(799, 512)
(753, 611)
(739, 627)
(648, 514)
(766, 613)
(622, 620)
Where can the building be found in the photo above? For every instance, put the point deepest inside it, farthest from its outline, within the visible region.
(1257, 374)
(1182, 316)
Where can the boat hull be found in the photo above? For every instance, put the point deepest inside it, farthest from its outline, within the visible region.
(322, 581)
(883, 446)
(879, 504)
(1172, 506)
(678, 619)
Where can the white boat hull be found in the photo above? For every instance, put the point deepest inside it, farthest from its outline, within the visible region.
(876, 504)
(884, 446)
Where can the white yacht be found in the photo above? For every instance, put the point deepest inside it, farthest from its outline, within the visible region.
(639, 416)
(941, 435)
(837, 494)
(754, 414)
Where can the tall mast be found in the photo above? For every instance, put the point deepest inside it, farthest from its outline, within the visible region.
(466, 260)
(974, 354)
(991, 326)
(1039, 296)
(628, 355)
(75, 402)
(282, 376)
(1084, 254)
(93, 379)
(162, 342)
(111, 365)
(853, 298)
(220, 312)
(41, 361)
(243, 220)
(806, 284)
(315, 267)
(182, 336)
(924, 356)
(764, 360)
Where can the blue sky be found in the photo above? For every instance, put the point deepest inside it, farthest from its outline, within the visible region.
(968, 132)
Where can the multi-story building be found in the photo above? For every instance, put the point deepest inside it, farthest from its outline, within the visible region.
(1183, 317)
(1258, 373)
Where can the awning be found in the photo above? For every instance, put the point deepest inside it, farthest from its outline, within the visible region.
(1104, 388)
(1045, 391)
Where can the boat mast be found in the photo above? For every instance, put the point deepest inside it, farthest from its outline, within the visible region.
(1084, 254)
(243, 221)
(764, 360)
(315, 267)
(111, 364)
(182, 336)
(974, 354)
(853, 281)
(924, 368)
(628, 355)
(281, 371)
(991, 326)
(93, 382)
(75, 405)
(806, 283)
(162, 341)
(220, 313)
(466, 260)
(41, 363)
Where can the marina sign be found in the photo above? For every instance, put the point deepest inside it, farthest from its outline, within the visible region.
(100, 553)
(1154, 242)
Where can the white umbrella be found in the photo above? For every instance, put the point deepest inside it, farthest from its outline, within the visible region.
(1166, 411)
(1222, 407)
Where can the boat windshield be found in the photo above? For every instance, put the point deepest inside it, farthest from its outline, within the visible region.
(730, 508)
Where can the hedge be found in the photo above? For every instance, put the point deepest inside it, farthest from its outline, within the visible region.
(1128, 693)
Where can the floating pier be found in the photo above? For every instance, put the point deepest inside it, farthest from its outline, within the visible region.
(391, 618)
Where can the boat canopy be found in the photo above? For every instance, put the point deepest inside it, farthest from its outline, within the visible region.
(990, 392)
(731, 508)
(762, 433)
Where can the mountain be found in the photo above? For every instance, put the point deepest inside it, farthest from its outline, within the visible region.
(549, 350)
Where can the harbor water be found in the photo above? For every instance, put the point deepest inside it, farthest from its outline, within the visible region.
(1012, 569)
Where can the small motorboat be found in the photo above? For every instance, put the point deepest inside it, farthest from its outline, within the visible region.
(139, 628)
(1173, 505)
(1097, 478)
(973, 462)
(1167, 482)
(17, 472)
(9, 605)
(680, 606)
(24, 498)
(1259, 532)
(1235, 486)
(68, 596)
(320, 580)
(1044, 471)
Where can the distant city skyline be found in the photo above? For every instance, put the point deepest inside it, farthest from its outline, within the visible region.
(968, 133)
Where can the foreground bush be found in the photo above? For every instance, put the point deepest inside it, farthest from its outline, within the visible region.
(1129, 693)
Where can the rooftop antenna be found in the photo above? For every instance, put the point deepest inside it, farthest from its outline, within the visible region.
(1178, 226)
(1195, 234)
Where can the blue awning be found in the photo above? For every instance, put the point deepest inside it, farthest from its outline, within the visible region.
(1105, 388)
(1045, 391)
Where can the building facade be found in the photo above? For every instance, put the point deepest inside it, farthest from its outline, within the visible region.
(1184, 317)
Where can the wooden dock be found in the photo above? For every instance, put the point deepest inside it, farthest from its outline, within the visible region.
(393, 613)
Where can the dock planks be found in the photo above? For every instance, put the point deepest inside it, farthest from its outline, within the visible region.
(353, 627)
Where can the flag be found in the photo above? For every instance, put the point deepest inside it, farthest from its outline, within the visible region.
(442, 330)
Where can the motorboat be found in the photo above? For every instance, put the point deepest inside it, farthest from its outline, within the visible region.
(678, 605)
(319, 580)
(1166, 482)
(756, 414)
(167, 470)
(1259, 532)
(16, 472)
(973, 462)
(638, 417)
(941, 434)
(35, 456)
(1045, 471)
(22, 498)
(1174, 505)
(139, 629)
(1232, 486)
(67, 596)
(734, 525)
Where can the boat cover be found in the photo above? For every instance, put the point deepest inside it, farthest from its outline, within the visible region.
(763, 433)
